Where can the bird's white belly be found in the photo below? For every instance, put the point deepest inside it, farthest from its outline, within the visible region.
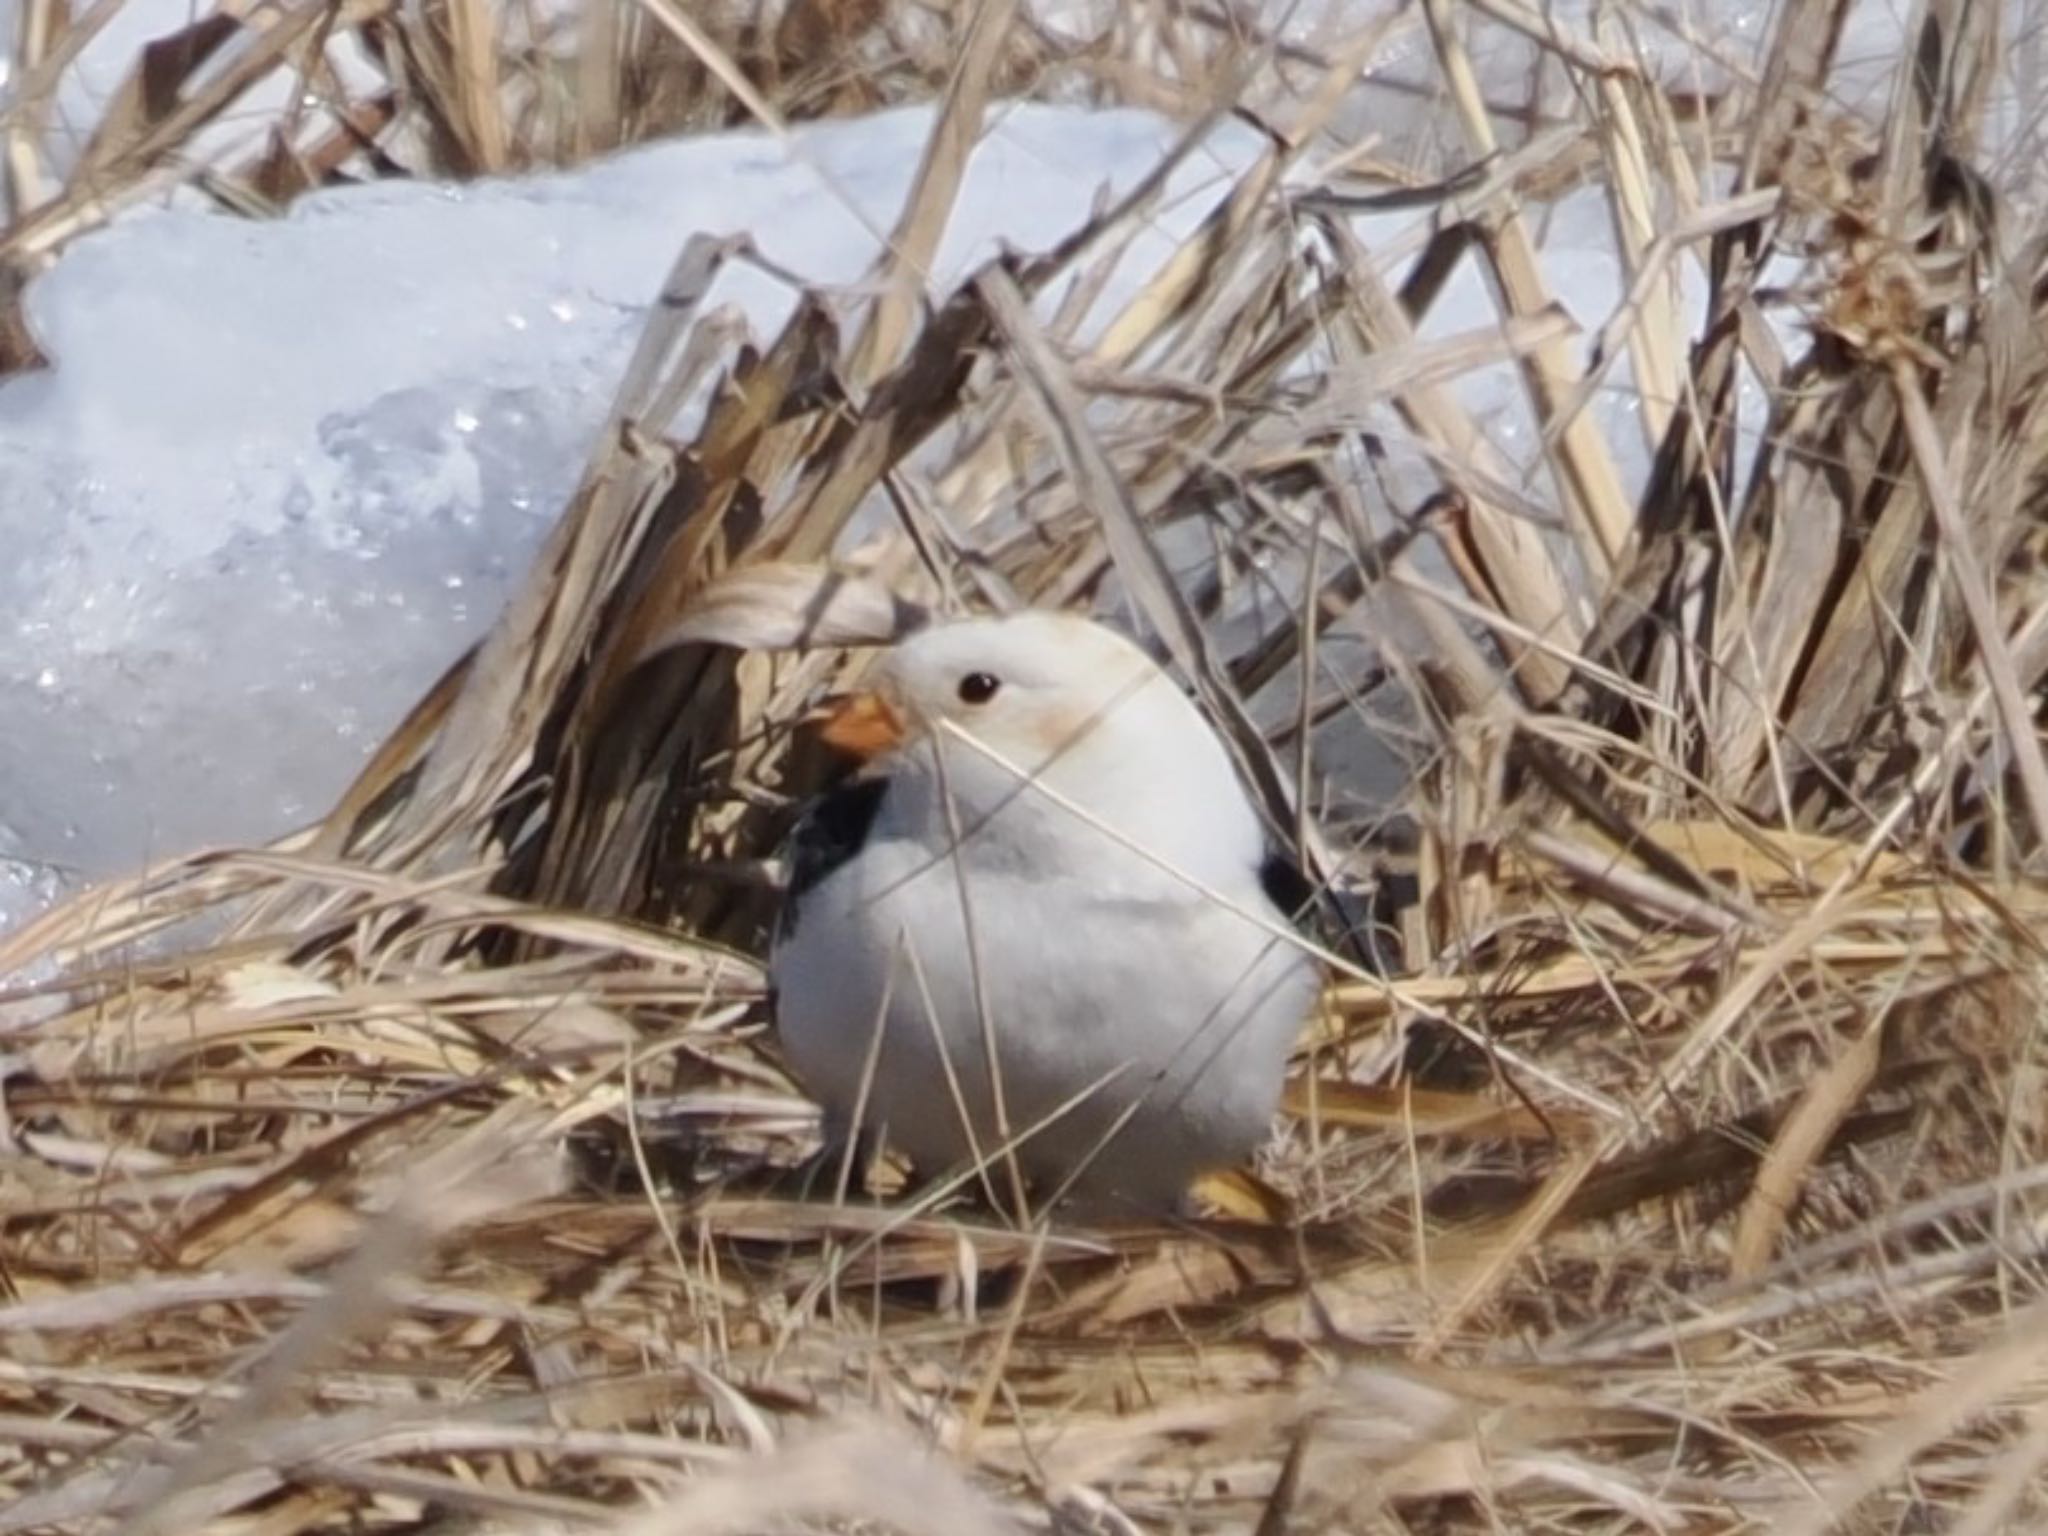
(1140, 1033)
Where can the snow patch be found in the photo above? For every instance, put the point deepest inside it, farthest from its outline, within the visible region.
(282, 473)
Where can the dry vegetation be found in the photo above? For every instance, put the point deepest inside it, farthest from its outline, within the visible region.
(1686, 1172)
(250, 105)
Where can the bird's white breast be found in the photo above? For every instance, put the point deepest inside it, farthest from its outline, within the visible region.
(1148, 1022)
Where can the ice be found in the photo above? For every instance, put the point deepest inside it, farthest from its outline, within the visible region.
(281, 473)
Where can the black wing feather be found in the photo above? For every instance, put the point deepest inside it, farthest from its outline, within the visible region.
(1281, 877)
(831, 830)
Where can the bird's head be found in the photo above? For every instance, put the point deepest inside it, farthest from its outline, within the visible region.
(961, 713)
(1031, 688)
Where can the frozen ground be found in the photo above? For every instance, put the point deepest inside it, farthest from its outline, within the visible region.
(282, 472)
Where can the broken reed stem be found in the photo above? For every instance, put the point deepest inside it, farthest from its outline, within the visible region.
(2015, 713)
(1708, 1126)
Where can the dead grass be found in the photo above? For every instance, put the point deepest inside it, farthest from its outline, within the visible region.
(249, 106)
(1688, 1172)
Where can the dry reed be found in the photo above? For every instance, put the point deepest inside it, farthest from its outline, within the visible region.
(1687, 1172)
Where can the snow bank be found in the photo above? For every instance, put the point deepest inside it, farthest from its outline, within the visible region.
(283, 472)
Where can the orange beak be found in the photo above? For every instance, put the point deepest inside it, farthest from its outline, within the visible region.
(863, 726)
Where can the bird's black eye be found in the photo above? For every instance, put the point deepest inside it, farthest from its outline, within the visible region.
(979, 687)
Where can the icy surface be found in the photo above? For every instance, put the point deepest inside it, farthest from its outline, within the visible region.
(282, 472)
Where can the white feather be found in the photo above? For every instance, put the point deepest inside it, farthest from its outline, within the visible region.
(1071, 871)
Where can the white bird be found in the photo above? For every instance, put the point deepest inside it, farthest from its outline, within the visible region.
(1043, 920)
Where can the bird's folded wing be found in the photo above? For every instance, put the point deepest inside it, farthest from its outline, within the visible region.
(830, 832)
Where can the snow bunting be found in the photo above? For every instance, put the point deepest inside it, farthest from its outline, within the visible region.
(1043, 918)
